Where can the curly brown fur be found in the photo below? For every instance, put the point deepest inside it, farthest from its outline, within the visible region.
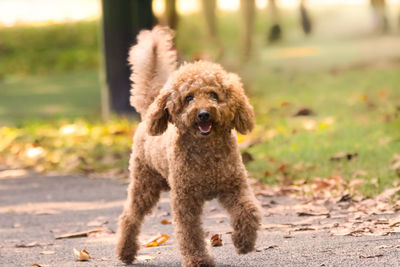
(186, 144)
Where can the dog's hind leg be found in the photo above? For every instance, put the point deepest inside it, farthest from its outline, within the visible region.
(143, 193)
(188, 230)
(245, 218)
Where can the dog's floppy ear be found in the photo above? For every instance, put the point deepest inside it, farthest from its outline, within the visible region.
(158, 115)
(243, 120)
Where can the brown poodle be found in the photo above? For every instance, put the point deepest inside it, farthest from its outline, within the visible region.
(186, 144)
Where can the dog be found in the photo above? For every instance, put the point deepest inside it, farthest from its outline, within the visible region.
(186, 144)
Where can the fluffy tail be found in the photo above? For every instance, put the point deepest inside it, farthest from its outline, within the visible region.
(152, 60)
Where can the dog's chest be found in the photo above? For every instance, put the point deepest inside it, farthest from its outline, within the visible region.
(207, 166)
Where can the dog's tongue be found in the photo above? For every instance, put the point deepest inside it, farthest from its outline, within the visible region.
(205, 126)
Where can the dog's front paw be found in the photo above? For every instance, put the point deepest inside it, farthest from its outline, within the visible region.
(126, 254)
(244, 243)
(193, 261)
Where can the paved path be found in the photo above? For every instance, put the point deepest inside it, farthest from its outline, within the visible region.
(34, 209)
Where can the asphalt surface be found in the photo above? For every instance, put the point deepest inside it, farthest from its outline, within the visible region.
(35, 209)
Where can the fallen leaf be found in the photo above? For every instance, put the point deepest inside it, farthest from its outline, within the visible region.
(82, 255)
(33, 244)
(29, 245)
(79, 234)
(385, 246)
(46, 212)
(36, 265)
(165, 222)
(342, 155)
(304, 229)
(156, 240)
(309, 125)
(100, 259)
(216, 240)
(304, 112)
(370, 257)
(165, 213)
(301, 214)
(266, 248)
(145, 258)
(47, 252)
(345, 198)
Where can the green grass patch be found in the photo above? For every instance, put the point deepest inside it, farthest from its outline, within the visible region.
(27, 50)
(355, 111)
(64, 95)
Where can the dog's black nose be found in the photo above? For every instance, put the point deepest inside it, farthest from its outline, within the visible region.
(203, 115)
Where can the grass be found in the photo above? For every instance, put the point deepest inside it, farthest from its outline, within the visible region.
(27, 50)
(65, 95)
(348, 79)
(354, 114)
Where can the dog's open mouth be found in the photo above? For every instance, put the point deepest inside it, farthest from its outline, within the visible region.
(205, 127)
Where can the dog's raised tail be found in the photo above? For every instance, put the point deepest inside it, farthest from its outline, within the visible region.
(152, 60)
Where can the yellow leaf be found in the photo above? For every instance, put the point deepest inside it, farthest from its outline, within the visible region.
(156, 240)
(82, 255)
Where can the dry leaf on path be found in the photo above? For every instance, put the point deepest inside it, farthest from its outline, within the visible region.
(216, 240)
(145, 258)
(304, 214)
(47, 252)
(29, 245)
(370, 257)
(165, 222)
(304, 229)
(79, 234)
(82, 255)
(32, 244)
(266, 248)
(156, 240)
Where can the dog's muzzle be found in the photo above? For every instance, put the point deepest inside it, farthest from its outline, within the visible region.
(204, 124)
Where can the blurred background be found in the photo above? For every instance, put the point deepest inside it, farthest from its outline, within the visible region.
(323, 76)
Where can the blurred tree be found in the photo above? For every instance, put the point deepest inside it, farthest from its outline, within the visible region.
(305, 18)
(248, 12)
(209, 9)
(171, 13)
(275, 32)
(122, 21)
(380, 18)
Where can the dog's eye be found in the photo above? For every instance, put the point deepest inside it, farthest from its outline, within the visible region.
(214, 95)
(188, 98)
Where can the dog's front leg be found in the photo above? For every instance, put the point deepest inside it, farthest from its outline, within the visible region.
(143, 194)
(187, 211)
(245, 218)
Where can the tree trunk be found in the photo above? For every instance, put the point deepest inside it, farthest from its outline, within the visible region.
(122, 21)
(248, 12)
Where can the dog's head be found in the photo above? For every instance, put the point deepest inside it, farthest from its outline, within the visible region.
(201, 99)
